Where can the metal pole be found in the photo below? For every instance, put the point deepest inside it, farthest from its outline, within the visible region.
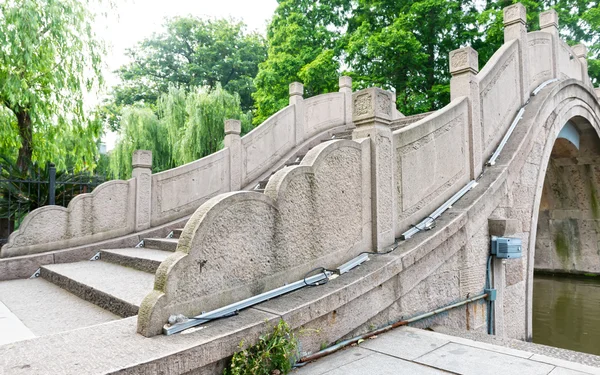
(52, 184)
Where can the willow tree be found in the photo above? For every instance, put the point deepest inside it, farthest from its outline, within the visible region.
(49, 55)
(186, 126)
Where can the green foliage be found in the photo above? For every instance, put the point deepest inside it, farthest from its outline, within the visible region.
(303, 46)
(188, 125)
(405, 45)
(49, 56)
(18, 196)
(191, 52)
(579, 22)
(275, 351)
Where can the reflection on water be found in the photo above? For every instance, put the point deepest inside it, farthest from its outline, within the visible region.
(566, 313)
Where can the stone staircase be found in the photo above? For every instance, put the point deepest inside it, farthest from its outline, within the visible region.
(117, 281)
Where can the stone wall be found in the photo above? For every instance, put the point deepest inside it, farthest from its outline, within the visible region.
(240, 244)
(119, 208)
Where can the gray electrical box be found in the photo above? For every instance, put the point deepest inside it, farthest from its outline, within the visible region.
(505, 247)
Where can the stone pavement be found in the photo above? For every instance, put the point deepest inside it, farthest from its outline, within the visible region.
(409, 350)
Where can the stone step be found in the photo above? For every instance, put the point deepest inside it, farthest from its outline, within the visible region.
(165, 244)
(115, 288)
(46, 309)
(139, 258)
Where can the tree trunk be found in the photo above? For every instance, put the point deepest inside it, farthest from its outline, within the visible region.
(25, 131)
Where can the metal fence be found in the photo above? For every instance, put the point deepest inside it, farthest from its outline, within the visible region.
(23, 193)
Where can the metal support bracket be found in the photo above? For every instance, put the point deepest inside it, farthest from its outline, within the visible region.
(170, 235)
(141, 244)
(95, 257)
(36, 274)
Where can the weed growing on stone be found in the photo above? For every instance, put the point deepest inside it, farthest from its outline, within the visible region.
(273, 354)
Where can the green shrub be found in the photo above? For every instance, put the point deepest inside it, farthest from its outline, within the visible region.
(274, 353)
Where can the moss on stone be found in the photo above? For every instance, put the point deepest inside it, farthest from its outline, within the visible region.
(561, 246)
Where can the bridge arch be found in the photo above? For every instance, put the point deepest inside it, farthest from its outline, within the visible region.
(566, 102)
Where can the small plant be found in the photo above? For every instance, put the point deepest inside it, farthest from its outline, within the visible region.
(273, 354)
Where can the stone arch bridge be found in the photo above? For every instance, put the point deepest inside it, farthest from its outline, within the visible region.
(320, 182)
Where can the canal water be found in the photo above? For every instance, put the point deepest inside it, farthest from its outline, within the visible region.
(566, 313)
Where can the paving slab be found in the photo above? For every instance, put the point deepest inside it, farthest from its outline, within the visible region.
(468, 360)
(12, 328)
(564, 371)
(409, 350)
(43, 308)
(376, 363)
(405, 344)
(113, 287)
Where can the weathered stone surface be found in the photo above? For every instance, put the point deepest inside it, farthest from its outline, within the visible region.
(432, 162)
(503, 227)
(107, 212)
(310, 215)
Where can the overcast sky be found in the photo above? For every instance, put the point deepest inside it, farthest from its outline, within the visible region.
(134, 20)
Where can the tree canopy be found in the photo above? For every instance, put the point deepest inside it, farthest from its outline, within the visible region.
(187, 125)
(49, 57)
(192, 52)
(402, 44)
(303, 45)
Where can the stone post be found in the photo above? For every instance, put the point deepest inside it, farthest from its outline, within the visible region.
(142, 172)
(515, 27)
(549, 24)
(297, 100)
(464, 66)
(346, 89)
(597, 89)
(372, 115)
(580, 51)
(233, 141)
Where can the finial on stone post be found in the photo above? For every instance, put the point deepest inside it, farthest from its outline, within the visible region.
(464, 60)
(345, 83)
(549, 22)
(372, 106)
(141, 162)
(233, 141)
(580, 52)
(515, 22)
(296, 90)
(464, 66)
(297, 99)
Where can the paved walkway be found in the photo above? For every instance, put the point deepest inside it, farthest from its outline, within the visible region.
(413, 351)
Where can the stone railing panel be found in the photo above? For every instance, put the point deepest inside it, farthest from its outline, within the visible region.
(432, 162)
(323, 112)
(500, 95)
(241, 244)
(540, 58)
(107, 212)
(180, 191)
(266, 144)
(569, 65)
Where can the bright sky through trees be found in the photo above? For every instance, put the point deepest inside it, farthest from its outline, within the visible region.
(134, 20)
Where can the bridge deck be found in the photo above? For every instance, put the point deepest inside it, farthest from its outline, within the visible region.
(413, 351)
